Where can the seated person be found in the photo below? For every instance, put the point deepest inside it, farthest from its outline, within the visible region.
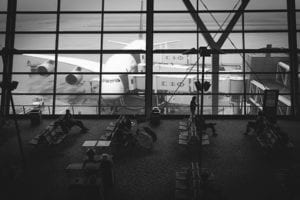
(202, 125)
(68, 122)
(125, 124)
(90, 153)
(91, 167)
(107, 172)
(258, 125)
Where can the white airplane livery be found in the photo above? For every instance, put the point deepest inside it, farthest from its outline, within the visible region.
(110, 83)
(114, 85)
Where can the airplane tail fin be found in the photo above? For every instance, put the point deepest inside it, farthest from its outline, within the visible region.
(141, 21)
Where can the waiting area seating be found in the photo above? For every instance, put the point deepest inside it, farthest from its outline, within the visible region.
(51, 135)
(190, 182)
(188, 134)
(121, 133)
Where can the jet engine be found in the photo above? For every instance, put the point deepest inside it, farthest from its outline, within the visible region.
(73, 78)
(45, 67)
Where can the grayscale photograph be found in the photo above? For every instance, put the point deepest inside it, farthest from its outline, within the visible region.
(150, 99)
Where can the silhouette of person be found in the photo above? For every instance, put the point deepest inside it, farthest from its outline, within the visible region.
(90, 153)
(106, 167)
(258, 125)
(193, 106)
(69, 122)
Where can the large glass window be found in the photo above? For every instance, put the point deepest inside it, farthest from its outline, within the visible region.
(90, 56)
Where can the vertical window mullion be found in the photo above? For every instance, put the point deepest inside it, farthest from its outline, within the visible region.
(56, 56)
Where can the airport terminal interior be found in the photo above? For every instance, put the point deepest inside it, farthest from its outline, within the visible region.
(150, 99)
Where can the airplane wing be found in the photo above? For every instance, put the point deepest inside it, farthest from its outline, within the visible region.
(83, 63)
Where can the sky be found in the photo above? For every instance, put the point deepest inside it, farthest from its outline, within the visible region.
(135, 4)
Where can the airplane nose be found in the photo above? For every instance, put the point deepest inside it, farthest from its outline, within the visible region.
(111, 91)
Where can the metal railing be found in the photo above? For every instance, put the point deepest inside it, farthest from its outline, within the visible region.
(168, 110)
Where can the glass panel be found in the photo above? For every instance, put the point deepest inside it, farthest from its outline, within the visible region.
(231, 62)
(298, 40)
(174, 62)
(0, 81)
(298, 20)
(129, 63)
(230, 83)
(125, 5)
(25, 103)
(179, 104)
(34, 83)
(3, 5)
(76, 5)
(184, 63)
(33, 63)
(80, 22)
(171, 5)
(1, 64)
(87, 62)
(34, 41)
(231, 104)
(176, 41)
(178, 21)
(170, 83)
(77, 104)
(79, 41)
(265, 21)
(126, 104)
(34, 5)
(218, 5)
(124, 22)
(122, 41)
(265, 62)
(2, 22)
(123, 83)
(1, 71)
(77, 83)
(255, 103)
(267, 4)
(2, 40)
(234, 41)
(269, 81)
(35, 22)
(219, 21)
(261, 40)
(172, 105)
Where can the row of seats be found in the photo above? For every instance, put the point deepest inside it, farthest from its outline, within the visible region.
(103, 145)
(51, 135)
(188, 134)
(190, 182)
(273, 137)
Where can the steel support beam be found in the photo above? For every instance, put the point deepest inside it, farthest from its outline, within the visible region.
(215, 45)
(149, 59)
(7, 53)
(293, 57)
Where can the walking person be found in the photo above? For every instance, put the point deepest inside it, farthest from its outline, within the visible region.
(193, 106)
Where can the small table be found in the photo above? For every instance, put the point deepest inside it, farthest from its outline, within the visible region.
(103, 146)
(89, 144)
